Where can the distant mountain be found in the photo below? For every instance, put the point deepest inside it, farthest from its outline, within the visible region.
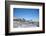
(15, 18)
(19, 19)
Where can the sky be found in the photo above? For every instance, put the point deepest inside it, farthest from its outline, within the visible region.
(28, 14)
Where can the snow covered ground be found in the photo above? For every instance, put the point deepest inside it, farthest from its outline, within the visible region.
(25, 25)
